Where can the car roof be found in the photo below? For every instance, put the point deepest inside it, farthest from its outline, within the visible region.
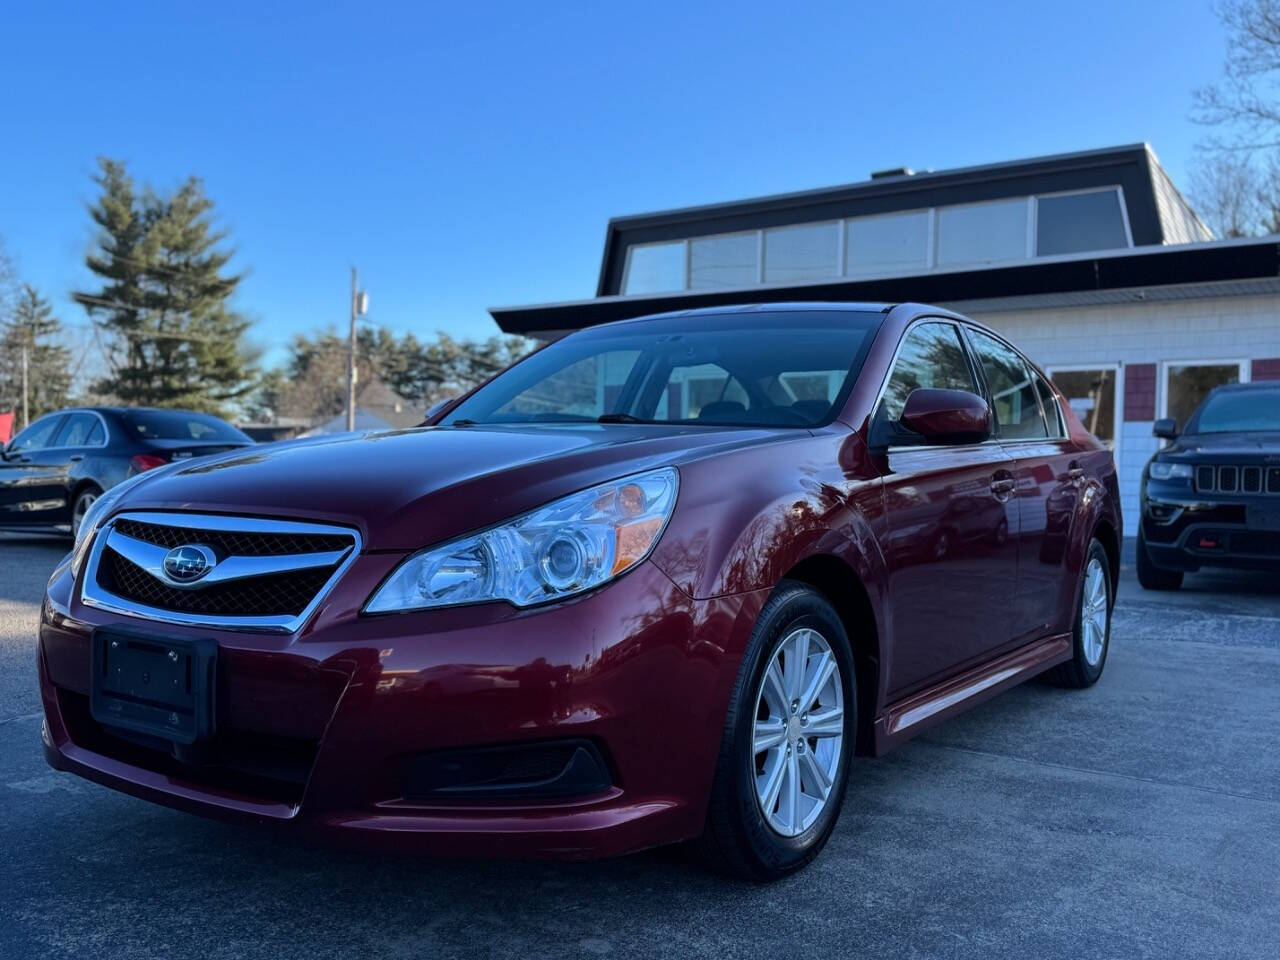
(1251, 385)
(101, 408)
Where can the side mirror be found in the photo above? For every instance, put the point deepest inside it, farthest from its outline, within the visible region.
(947, 416)
(1166, 429)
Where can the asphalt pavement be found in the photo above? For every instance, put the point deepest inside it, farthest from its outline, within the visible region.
(1140, 818)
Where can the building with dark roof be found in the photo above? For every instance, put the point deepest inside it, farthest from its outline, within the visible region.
(1093, 262)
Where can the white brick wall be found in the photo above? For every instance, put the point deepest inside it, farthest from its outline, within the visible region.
(1226, 328)
(1136, 446)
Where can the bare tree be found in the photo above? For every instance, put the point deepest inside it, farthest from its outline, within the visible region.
(1246, 103)
(1227, 191)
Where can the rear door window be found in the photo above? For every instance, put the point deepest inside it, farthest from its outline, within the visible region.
(76, 430)
(1012, 390)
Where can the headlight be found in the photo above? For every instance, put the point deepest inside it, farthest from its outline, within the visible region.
(1162, 470)
(564, 548)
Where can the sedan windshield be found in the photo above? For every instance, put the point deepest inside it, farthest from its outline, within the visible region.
(778, 369)
(1239, 410)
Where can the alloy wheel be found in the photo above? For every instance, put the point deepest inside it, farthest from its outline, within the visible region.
(81, 507)
(1093, 612)
(799, 731)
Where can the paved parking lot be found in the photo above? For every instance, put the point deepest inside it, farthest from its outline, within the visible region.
(1138, 819)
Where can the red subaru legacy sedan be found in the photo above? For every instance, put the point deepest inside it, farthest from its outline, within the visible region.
(657, 582)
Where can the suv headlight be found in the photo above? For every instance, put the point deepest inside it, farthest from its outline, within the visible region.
(571, 545)
(1163, 470)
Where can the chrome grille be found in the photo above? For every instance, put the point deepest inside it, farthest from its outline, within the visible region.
(268, 575)
(1232, 478)
(235, 542)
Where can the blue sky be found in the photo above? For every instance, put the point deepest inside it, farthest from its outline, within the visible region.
(469, 155)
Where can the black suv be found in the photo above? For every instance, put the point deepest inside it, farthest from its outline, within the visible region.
(1212, 496)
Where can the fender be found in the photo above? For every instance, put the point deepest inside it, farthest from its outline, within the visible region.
(817, 497)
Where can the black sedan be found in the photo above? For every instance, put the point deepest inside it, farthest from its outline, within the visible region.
(1212, 496)
(52, 471)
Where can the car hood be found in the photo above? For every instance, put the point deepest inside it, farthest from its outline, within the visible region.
(1227, 444)
(408, 489)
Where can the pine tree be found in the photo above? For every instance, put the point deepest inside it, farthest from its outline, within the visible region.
(164, 302)
(48, 362)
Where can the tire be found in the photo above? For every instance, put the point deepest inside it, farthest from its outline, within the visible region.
(739, 837)
(81, 504)
(1091, 634)
(1152, 577)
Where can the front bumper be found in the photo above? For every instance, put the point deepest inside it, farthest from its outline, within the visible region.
(1185, 531)
(319, 730)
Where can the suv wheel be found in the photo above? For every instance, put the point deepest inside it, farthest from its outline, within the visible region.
(784, 757)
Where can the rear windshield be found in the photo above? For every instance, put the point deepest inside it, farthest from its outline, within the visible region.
(179, 425)
(785, 369)
(1234, 410)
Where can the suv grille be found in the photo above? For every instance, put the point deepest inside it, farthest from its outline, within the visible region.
(1230, 478)
(263, 574)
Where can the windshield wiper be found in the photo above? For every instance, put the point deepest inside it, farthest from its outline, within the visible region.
(620, 418)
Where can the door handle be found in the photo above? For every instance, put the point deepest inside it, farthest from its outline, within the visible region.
(1002, 487)
(1074, 471)
(76, 457)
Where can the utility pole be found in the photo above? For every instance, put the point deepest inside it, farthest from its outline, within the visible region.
(26, 419)
(351, 359)
(359, 307)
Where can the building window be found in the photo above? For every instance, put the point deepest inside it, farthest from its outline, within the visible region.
(909, 242)
(982, 233)
(724, 261)
(1091, 394)
(655, 268)
(893, 243)
(1186, 384)
(1076, 222)
(807, 252)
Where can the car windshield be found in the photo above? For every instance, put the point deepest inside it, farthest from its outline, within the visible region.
(1239, 410)
(179, 425)
(783, 369)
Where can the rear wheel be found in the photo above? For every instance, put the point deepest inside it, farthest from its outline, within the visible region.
(80, 506)
(784, 757)
(1152, 577)
(1091, 637)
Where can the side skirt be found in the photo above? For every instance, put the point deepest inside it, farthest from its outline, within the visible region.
(903, 720)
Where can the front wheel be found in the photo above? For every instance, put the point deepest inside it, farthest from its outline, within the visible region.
(1091, 638)
(784, 757)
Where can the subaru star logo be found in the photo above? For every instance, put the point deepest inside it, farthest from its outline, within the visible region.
(189, 562)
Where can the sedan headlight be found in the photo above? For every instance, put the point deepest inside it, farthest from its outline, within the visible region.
(1163, 470)
(556, 551)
